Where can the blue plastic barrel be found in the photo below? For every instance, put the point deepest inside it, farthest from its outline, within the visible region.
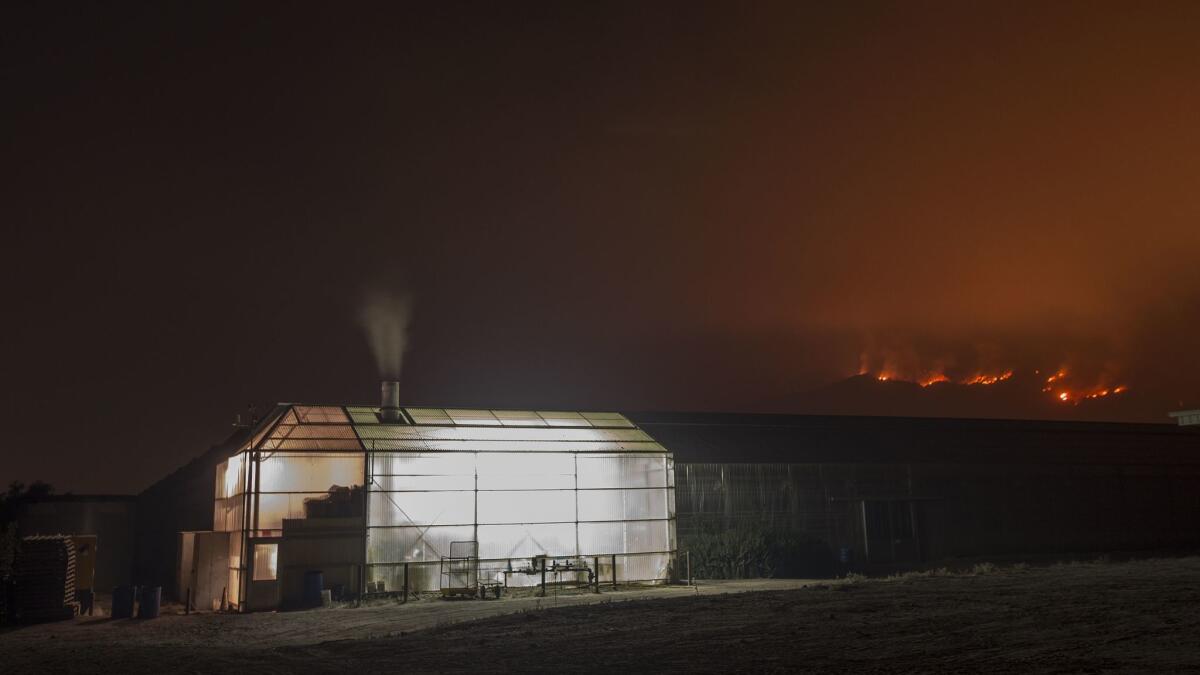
(122, 602)
(149, 602)
(314, 583)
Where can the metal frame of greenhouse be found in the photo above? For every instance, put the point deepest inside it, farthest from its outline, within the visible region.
(375, 501)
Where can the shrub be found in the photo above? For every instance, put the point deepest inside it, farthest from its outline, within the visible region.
(756, 551)
(983, 568)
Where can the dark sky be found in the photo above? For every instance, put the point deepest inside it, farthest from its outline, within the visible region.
(598, 205)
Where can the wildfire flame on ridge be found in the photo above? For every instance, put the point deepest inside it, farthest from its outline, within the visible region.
(1056, 385)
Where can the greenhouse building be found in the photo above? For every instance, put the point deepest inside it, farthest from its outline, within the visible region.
(390, 499)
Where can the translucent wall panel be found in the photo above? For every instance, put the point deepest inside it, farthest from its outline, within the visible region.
(266, 559)
(624, 537)
(235, 549)
(655, 567)
(525, 471)
(273, 508)
(307, 472)
(648, 536)
(421, 483)
(228, 513)
(424, 464)
(601, 538)
(235, 563)
(635, 567)
(517, 504)
(414, 544)
(421, 576)
(638, 504)
(527, 506)
(234, 594)
(389, 509)
(523, 541)
(623, 471)
(229, 477)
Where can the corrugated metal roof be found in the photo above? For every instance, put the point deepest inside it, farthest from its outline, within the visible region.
(299, 427)
(748, 438)
(737, 438)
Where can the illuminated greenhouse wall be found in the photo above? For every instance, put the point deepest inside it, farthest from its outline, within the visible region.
(520, 484)
(515, 483)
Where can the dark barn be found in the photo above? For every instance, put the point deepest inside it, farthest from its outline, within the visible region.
(108, 519)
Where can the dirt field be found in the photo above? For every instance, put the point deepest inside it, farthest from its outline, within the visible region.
(1096, 617)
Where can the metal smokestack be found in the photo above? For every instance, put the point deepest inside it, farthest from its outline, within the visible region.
(389, 407)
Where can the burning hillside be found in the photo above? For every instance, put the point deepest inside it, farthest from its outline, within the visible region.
(1060, 385)
(976, 383)
(1064, 385)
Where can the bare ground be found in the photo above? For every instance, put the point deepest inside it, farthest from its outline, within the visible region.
(1082, 617)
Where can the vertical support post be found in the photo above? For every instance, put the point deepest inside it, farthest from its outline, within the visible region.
(243, 583)
(405, 583)
(614, 565)
(891, 512)
(688, 555)
(866, 536)
(543, 578)
(916, 530)
(366, 515)
(596, 576)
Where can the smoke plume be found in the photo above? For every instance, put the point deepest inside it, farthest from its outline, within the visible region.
(385, 316)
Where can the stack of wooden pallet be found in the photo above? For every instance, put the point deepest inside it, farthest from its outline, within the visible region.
(44, 579)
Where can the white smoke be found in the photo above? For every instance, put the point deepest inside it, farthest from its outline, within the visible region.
(385, 316)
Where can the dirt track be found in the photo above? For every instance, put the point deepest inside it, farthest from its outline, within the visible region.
(1118, 617)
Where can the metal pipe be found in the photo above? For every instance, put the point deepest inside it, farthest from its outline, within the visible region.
(389, 406)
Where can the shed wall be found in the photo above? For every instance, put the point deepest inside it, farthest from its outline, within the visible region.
(957, 510)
